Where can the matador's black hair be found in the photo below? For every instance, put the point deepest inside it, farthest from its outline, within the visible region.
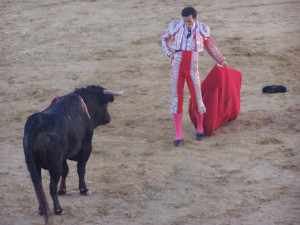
(189, 11)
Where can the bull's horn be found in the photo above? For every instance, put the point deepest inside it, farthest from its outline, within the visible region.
(113, 93)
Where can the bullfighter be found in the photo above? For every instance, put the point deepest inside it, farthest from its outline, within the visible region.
(188, 37)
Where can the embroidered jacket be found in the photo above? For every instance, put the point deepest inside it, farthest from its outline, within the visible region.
(199, 39)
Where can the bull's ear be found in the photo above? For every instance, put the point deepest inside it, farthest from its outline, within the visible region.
(110, 98)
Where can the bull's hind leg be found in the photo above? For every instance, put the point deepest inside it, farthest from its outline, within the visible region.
(81, 170)
(54, 179)
(62, 190)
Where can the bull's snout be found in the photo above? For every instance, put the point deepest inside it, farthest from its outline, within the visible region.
(107, 120)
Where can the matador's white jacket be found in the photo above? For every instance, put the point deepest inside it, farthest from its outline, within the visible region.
(202, 39)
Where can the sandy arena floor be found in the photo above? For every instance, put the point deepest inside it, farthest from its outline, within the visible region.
(246, 173)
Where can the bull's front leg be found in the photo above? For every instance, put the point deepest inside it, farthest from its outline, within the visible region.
(84, 157)
(62, 190)
(81, 173)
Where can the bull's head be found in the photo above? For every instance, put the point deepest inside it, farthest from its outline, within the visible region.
(104, 115)
(97, 99)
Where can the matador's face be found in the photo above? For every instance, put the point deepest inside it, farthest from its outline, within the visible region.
(189, 21)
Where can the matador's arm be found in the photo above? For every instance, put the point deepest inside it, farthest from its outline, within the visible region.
(165, 42)
(214, 52)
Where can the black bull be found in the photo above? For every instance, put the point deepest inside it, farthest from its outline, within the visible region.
(64, 131)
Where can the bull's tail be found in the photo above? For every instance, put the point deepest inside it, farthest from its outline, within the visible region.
(31, 127)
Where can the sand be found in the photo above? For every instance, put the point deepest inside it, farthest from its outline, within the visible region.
(247, 172)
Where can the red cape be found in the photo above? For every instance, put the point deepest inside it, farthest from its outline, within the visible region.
(221, 97)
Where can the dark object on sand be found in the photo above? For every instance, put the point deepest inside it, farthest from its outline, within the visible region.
(274, 89)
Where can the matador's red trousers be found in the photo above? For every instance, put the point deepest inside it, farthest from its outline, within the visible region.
(185, 67)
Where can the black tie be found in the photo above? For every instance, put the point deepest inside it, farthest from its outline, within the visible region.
(189, 34)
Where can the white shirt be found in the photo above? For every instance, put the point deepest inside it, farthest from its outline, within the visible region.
(186, 30)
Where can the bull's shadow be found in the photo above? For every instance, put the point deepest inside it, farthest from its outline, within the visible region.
(64, 131)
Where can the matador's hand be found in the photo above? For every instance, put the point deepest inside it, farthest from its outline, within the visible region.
(224, 63)
(171, 55)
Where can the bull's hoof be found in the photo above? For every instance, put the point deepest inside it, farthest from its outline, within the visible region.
(41, 212)
(62, 192)
(59, 211)
(85, 192)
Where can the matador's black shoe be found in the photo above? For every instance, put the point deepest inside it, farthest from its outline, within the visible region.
(199, 136)
(177, 143)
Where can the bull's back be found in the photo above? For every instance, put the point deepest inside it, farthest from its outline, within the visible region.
(74, 122)
(61, 129)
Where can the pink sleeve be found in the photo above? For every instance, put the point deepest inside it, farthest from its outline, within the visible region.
(165, 38)
(213, 51)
